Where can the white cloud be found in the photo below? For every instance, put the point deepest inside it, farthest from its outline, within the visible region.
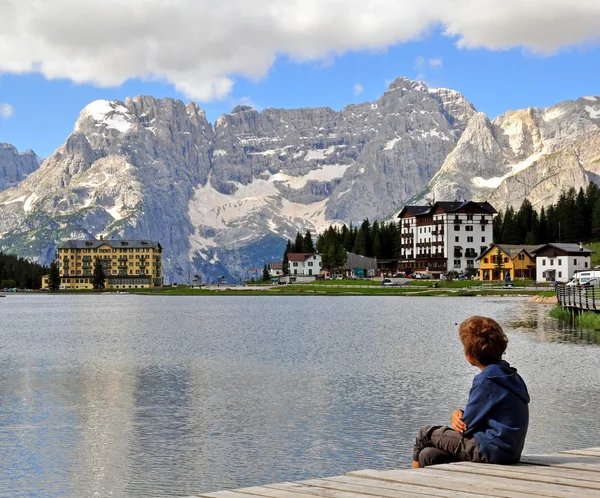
(6, 110)
(358, 89)
(201, 46)
(435, 63)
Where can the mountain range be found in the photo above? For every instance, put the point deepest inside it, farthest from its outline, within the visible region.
(221, 198)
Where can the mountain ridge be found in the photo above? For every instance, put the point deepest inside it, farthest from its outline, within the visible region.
(223, 197)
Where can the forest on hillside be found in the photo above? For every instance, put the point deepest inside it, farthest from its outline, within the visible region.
(20, 272)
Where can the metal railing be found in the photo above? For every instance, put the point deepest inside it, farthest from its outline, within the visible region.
(578, 297)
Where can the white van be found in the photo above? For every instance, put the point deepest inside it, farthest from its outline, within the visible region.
(591, 278)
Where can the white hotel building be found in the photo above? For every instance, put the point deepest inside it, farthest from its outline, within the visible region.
(445, 236)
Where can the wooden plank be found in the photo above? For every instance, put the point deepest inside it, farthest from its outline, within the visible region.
(227, 494)
(576, 462)
(393, 487)
(272, 493)
(402, 491)
(592, 452)
(313, 490)
(454, 483)
(510, 473)
(543, 471)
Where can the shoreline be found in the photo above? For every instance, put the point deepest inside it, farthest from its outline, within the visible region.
(313, 290)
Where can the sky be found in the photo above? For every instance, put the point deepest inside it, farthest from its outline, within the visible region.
(56, 56)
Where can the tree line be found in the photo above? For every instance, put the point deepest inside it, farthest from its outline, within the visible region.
(374, 240)
(575, 217)
(20, 272)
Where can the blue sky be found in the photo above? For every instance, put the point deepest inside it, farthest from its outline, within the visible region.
(43, 111)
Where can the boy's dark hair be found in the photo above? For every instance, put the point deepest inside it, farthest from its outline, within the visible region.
(483, 339)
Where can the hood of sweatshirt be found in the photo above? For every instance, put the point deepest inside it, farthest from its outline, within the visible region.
(504, 375)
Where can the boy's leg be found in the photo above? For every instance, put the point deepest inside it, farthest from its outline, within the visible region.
(446, 439)
(434, 456)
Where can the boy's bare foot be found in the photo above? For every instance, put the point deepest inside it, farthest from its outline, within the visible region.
(415, 465)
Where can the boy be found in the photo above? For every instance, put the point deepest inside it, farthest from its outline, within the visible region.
(493, 425)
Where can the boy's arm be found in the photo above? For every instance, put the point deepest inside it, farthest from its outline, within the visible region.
(478, 406)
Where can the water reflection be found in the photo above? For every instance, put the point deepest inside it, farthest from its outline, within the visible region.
(133, 396)
(535, 319)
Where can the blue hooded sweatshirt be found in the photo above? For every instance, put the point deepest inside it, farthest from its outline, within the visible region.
(497, 414)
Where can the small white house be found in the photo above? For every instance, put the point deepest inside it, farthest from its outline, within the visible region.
(303, 264)
(275, 268)
(558, 262)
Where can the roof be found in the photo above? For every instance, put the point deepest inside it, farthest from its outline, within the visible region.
(114, 243)
(568, 248)
(512, 250)
(447, 207)
(276, 265)
(300, 256)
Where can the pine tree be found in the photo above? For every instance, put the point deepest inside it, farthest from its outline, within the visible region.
(54, 277)
(510, 228)
(542, 231)
(266, 277)
(98, 277)
(499, 264)
(340, 257)
(497, 229)
(299, 242)
(286, 262)
(596, 219)
(307, 243)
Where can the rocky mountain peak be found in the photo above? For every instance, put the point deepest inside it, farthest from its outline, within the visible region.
(15, 166)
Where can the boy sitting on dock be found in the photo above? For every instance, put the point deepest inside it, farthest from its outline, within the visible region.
(493, 425)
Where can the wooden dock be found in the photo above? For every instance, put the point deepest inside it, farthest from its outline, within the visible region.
(574, 473)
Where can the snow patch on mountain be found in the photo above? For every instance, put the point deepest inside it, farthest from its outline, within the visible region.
(594, 112)
(110, 114)
(495, 182)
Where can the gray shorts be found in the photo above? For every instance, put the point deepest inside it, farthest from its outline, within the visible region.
(439, 444)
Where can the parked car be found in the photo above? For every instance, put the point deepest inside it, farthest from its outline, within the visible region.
(590, 283)
(386, 282)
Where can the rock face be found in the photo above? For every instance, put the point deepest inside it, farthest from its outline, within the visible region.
(221, 198)
(15, 167)
(530, 153)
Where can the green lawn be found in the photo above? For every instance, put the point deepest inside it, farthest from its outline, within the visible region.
(594, 246)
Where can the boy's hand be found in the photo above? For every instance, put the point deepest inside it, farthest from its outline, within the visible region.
(457, 421)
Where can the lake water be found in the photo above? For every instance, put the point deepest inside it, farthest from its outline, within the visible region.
(172, 396)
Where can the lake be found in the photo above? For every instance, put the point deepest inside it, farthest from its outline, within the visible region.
(172, 396)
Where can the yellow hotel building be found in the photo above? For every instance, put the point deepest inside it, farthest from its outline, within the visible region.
(517, 261)
(128, 264)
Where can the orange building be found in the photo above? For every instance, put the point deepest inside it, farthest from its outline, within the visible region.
(516, 261)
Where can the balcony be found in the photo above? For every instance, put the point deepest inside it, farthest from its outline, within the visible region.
(484, 222)
(457, 221)
(470, 253)
(458, 254)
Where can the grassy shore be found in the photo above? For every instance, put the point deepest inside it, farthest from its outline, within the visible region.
(587, 320)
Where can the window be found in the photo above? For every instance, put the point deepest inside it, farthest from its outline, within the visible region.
(586, 265)
(457, 228)
(559, 274)
(559, 262)
(469, 217)
(469, 239)
(420, 230)
(575, 262)
(543, 262)
(456, 238)
(469, 228)
(457, 263)
(521, 257)
(485, 260)
(551, 262)
(482, 239)
(506, 260)
(310, 263)
(295, 264)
